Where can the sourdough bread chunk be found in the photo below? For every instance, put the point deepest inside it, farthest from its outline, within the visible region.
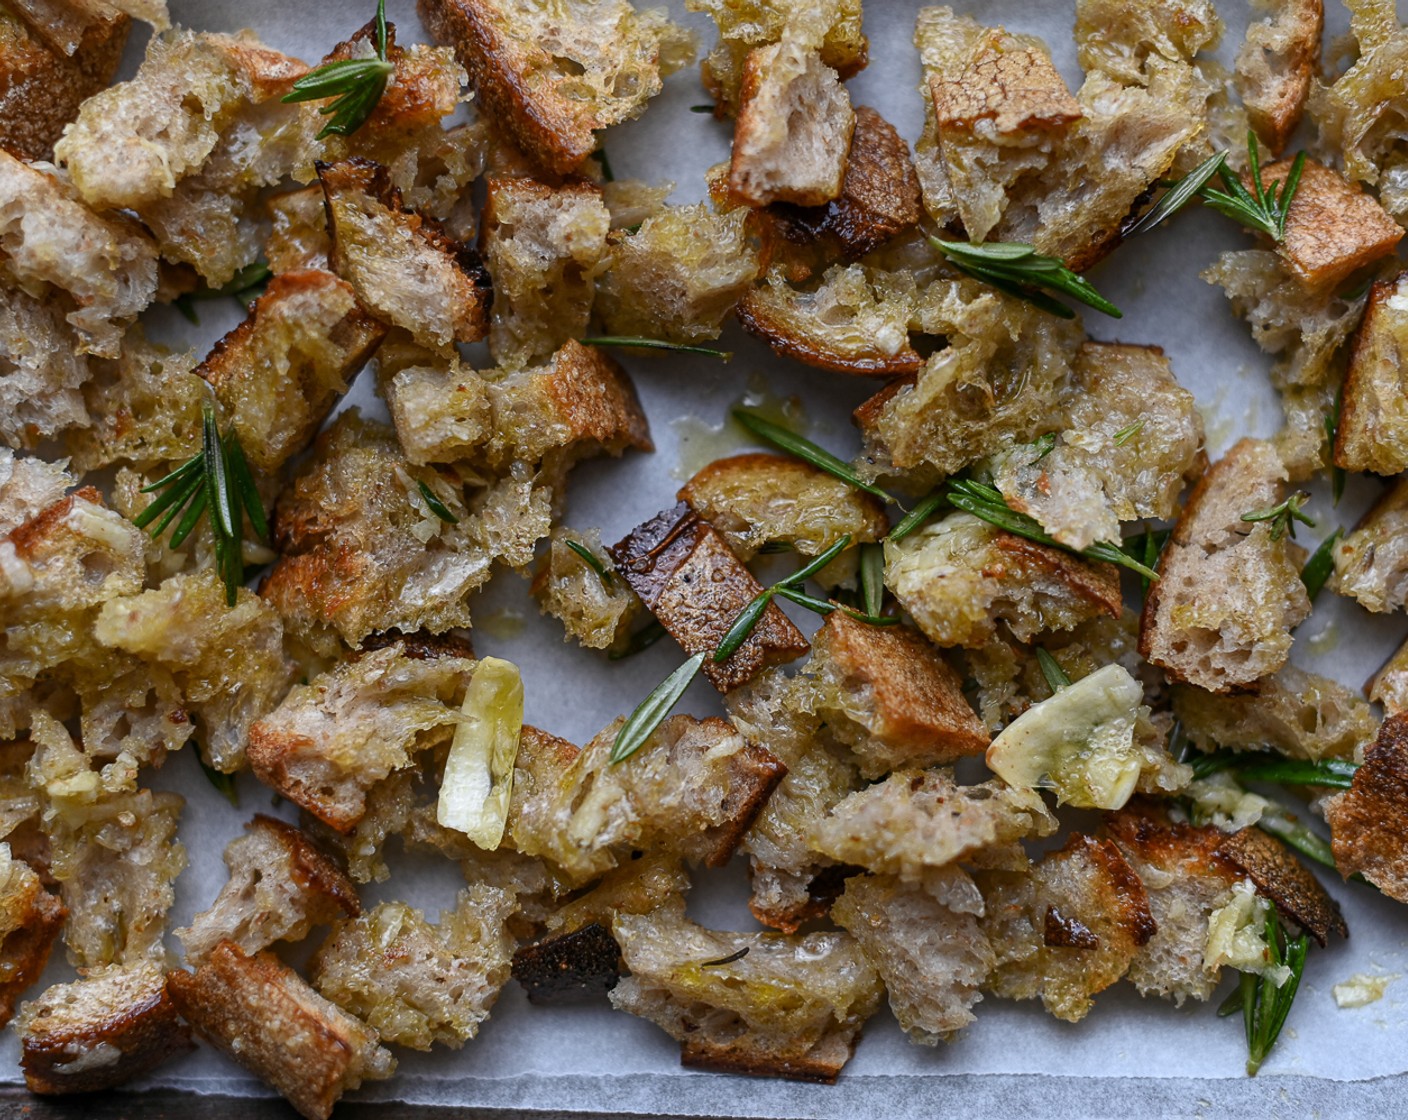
(1389, 686)
(1276, 65)
(41, 371)
(261, 1014)
(887, 694)
(1228, 595)
(1373, 428)
(595, 611)
(1284, 880)
(441, 409)
(28, 484)
(1367, 821)
(1371, 563)
(1128, 40)
(280, 886)
(298, 230)
(689, 578)
(792, 1007)
(112, 1025)
(926, 943)
(30, 920)
(960, 577)
(403, 266)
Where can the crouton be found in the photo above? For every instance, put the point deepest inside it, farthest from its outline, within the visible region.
(1134, 436)
(595, 610)
(790, 1006)
(1282, 878)
(926, 943)
(917, 820)
(30, 920)
(442, 410)
(1373, 429)
(112, 1025)
(41, 371)
(53, 243)
(71, 555)
(678, 275)
(43, 83)
(543, 247)
(418, 984)
(279, 372)
(887, 694)
(852, 321)
(1371, 565)
(1389, 685)
(298, 236)
(1126, 41)
(261, 1014)
(1275, 66)
(689, 578)
(757, 499)
(552, 75)
(229, 661)
(1299, 714)
(960, 576)
(28, 485)
(332, 739)
(280, 886)
(1367, 825)
(794, 127)
(1068, 928)
(1009, 85)
(1229, 592)
(403, 266)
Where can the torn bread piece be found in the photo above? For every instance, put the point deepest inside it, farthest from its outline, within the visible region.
(1371, 563)
(100, 1031)
(1276, 64)
(791, 1006)
(1127, 41)
(41, 371)
(597, 610)
(261, 1014)
(280, 886)
(1373, 429)
(1229, 591)
(30, 920)
(1367, 821)
(1389, 685)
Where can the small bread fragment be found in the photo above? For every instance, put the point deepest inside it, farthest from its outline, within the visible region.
(1228, 595)
(1368, 821)
(30, 920)
(298, 235)
(689, 578)
(1373, 429)
(41, 371)
(113, 1024)
(794, 127)
(886, 693)
(596, 611)
(1371, 563)
(1389, 685)
(1127, 41)
(1284, 880)
(960, 577)
(261, 1014)
(403, 266)
(280, 886)
(790, 1006)
(1275, 66)
(28, 484)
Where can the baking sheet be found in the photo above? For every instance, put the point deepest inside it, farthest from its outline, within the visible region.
(1015, 1056)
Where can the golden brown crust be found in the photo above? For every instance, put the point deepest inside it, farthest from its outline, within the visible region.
(753, 776)
(421, 645)
(596, 399)
(821, 1065)
(787, 336)
(35, 919)
(1373, 428)
(312, 868)
(1095, 582)
(1275, 66)
(1015, 90)
(1369, 821)
(694, 584)
(1283, 879)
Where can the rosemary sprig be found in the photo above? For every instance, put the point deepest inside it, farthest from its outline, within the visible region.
(1260, 208)
(1124, 435)
(246, 285)
(1043, 446)
(354, 84)
(1258, 766)
(805, 450)
(1284, 515)
(1332, 431)
(872, 578)
(1019, 270)
(641, 639)
(216, 479)
(1147, 547)
(1056, 678)
(593, 561)
(988, 503)
(918, 515)
(224, 783)
(826, 606)
(435, 505)
(1321, 563)
(654, 344)
(1264, 1006)
(1178, 195)
(651, 711)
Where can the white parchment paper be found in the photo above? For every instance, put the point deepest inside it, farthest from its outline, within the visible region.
(1130, 1056)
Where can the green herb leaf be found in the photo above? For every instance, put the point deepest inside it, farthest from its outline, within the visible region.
(918, 515)
(872, 578)
(1124, 435)
(701, 109)
(591, 560)
(1178, 195)
(355, 84)
(607, 173)
(1260, 766)
(641, 639)
(1147, 547)
(435, 505)
(826, 606)
(1018, 269)
(223, 783)
(805, 450)
(743, 625)
(1056, 678)
(1284, 515)
(1260, 208)
(823, 558)
(651, 711)
(247, 284)
(1321, 563)
(654, 344)
(1286, 827)
(1264, 1005)
(1043, 446)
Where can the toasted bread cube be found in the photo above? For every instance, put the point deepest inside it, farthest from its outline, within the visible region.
(689, 578)
(758, 499)
(403, 266)
(229, 661)
(1299, 714)
(442, 411)
(71, 555)
(261, 1014)
(41, 371)
(28, 485)
(595, 610)
(926, 943)
(543, 247)
(1276, 64)
(114, 1024)
(1007, 86)
(280, 886)
(1067, 929)
(1126, 40)
(918, 820)
(1389, 685)
(960, 577)
(298, 237)
(1367, 821)
(418, 984)
(792, 1006)
(794, 127)
(1228, 595)
(553, 74)
(30, 920)
(1373, 430)
(679, 275)
(889, 695)
(1371, 563)
(1134, 435)
(332, 740)
(279, 372)
(853, 321)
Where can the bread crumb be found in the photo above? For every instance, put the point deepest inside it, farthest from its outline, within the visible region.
(1362, 989)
